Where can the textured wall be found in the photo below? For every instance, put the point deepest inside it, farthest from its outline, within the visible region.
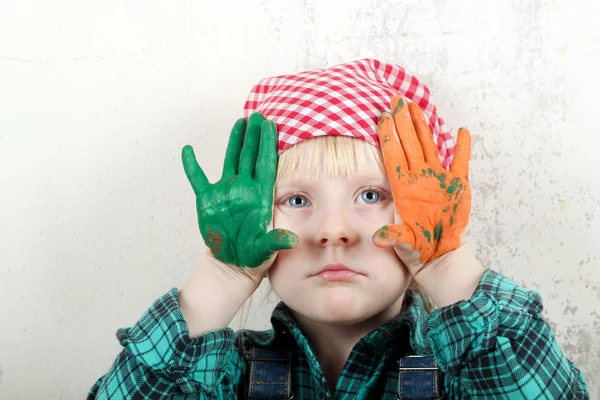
(97, 98)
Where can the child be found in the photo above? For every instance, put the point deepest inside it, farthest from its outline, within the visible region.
(354, 241)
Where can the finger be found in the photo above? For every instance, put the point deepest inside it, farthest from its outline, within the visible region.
(194, 173)
(430, 151)
(393, 155)
(266, 165)
(406, 132)
(394, 235)
(275, 240)
(462, 154)
(250, 146)
(234, 147)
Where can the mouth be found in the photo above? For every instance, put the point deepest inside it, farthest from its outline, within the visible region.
(337, 273)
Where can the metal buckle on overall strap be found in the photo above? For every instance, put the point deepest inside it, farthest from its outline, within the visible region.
(418, 378)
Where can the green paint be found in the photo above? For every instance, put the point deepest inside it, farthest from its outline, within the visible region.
(454, 208)
(398, 107)
(451, 220)
(442, 179)
(283, 235)
(426, 233)
(399, 170)
(208, 236)
(234, 212)
(423, 172)
(456, 185)
(431, 172)
(437, 232)
(383, 232)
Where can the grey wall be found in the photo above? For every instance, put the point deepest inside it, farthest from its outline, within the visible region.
(98, 97)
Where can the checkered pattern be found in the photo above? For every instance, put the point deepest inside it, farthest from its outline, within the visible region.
(494, 346)
(346, 100)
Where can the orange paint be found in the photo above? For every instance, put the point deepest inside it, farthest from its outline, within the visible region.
(217, 243)
(208, 236)
(214, 241)
(433, 204)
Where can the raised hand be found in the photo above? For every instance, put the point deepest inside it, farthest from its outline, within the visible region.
(432, 204)
(235, 213)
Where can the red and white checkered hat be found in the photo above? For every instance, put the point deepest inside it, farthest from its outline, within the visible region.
(346, 99)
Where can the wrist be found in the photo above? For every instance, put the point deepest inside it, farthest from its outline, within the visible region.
(213, 294)
(452, 277)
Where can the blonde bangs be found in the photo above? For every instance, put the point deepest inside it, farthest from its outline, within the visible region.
(328, 156)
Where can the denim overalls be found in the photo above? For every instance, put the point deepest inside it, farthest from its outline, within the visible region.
(270, 374)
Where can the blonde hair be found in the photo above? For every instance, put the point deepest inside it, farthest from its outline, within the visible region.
(335, 156)
(331, 156)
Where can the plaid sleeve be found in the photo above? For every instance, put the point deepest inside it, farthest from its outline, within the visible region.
(497, 345)
(160, 359)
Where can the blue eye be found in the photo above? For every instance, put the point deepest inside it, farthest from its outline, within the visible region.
(369, 197)
(297, 201)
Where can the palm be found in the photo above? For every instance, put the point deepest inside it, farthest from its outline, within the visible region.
(232, 216)
(440, 199)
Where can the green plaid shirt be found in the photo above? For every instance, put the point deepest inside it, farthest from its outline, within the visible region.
(494, 346)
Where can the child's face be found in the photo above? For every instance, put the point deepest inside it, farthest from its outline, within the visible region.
(335, 219)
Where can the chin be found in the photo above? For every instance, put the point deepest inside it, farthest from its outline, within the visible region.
(339, 305)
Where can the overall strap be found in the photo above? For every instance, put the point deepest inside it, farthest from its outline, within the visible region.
(419, 378)
(270, 371)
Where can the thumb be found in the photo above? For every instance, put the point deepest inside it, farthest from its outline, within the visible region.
(275, 240)
(403, 239)
(394, 235)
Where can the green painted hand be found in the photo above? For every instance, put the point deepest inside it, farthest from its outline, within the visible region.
(235, 214)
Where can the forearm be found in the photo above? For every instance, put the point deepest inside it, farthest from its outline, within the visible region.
(160, 359)
(497, 344)
(213, 295)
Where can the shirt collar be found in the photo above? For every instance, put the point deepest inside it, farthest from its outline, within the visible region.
(388, 336)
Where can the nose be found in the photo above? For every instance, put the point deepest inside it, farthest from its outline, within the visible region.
(336, 227)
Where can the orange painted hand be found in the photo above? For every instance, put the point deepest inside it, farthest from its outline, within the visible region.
(432, 204)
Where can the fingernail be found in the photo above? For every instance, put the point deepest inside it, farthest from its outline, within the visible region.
(384, 117)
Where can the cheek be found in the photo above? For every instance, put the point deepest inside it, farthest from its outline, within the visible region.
(388, 262)
(287, 264)
(285, 274)
(391, 275)
(282, 218)
(376, 217)
(296, 221)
